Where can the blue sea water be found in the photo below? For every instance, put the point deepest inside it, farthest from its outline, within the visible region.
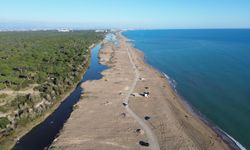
(211, 69)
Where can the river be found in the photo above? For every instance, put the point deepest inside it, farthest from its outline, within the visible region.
(41, 136)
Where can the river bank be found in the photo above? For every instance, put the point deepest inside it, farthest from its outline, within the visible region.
(21, 133)
(101, 122)
(50, 127)
(46, 66)
(13, 139)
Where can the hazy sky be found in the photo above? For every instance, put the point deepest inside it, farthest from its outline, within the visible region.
(127, 13)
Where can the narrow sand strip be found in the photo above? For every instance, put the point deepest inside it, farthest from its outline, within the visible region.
(101, 122)
(154, 145)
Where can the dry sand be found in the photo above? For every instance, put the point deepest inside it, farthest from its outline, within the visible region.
(102, 122)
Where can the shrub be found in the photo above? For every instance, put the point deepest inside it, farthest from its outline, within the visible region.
(4, 122)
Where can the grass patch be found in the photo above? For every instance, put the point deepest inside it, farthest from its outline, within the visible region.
(4, 122)
(3, 96)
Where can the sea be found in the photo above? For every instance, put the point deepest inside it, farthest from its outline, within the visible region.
(208, 68)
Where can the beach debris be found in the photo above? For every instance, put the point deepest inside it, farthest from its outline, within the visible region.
(142, 143)
(55, 139)
(142, 79)
(146, 88)
(107, 103)
(75, 107)
(18, 140)
(139, 131)
(126, 88)
(123, 115)
(145, 94)
(136, 95)
(146, 117)
(125, 104)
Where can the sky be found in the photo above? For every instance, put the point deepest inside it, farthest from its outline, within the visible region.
(125, 13)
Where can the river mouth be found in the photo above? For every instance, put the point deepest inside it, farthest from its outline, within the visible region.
(41, 136)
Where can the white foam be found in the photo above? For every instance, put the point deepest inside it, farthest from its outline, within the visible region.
(171, 81)
(236, 142)
(166, 75)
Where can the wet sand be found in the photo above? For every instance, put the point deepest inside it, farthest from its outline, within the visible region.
(100, 120)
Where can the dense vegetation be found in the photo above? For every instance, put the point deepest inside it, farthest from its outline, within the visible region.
(35, 57)
(43, 65)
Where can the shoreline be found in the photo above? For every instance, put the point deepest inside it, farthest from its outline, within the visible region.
(232, 143)
(173, 124)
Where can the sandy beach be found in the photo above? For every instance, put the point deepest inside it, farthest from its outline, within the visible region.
(112, 113)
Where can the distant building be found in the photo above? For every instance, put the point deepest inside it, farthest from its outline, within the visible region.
(101, 31)
(63, 30)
